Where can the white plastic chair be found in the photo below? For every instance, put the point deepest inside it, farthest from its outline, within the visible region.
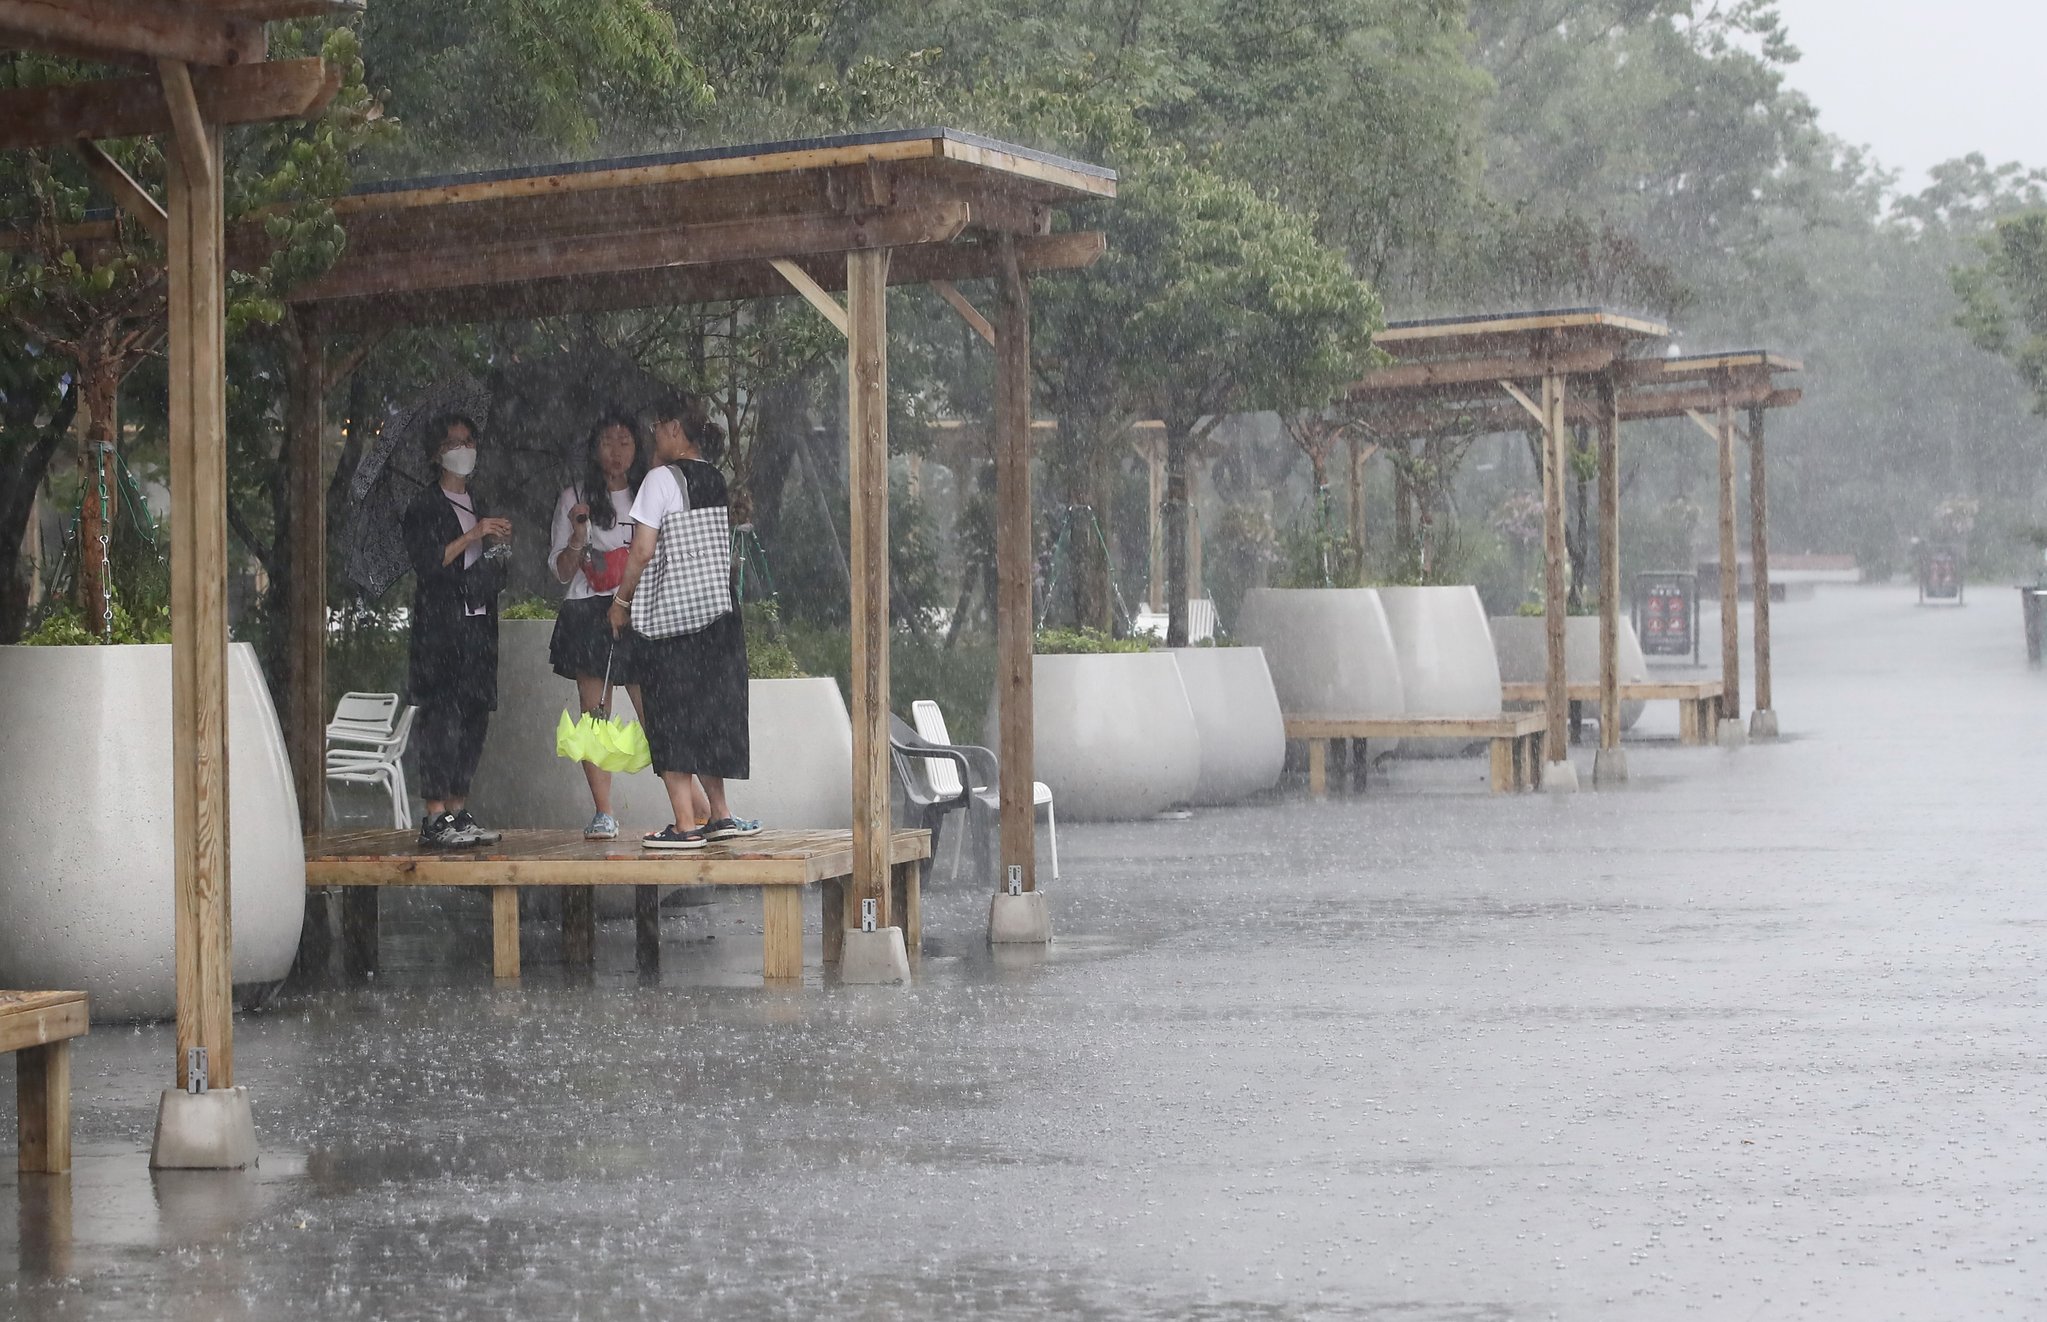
(1201, 620)
(945, 776)
(379, 765)
(363, 718)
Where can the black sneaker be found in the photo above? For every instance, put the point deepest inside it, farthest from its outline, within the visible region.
(442, 831)
(476, 834)
(730, 828)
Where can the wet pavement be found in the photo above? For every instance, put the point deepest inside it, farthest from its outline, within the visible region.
(1759, 1036)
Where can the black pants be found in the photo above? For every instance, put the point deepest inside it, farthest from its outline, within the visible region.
(451, 731)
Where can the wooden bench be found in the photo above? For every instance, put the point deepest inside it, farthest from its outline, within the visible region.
(779, 863)
(1516, 737)
(1698, 702)
(37, 1026)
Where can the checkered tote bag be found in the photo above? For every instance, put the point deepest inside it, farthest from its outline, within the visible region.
(689, 581)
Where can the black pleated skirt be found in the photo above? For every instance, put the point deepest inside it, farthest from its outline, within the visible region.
(582, 643)
(695, 689)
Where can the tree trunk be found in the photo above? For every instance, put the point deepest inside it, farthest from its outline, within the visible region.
(99, 374)
(1093, 597)
(1176, 535)
(18, 487)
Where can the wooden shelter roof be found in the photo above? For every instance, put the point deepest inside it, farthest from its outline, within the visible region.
(696, 226)
(1486, 332)
(1453, 361)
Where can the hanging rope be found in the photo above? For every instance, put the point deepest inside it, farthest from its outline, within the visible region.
(1059, 550)
(104, 452)
(749, 551)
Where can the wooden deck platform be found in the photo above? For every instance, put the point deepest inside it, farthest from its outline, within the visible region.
(779, 863)
(1516, 737)
(37, 1027)
(1698, 702)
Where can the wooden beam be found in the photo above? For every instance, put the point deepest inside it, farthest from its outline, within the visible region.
(152, 29)
(135, 108)
(813, 293)
(1759, 554)
(1479, 371)
(756, 241)
(1540, 412)
(1730, 576)
(198, 567)
(970, 314)
(305, 609)
(132, 197)
(190, 138)
(680, 286)
(867, 476)
(1015, 563)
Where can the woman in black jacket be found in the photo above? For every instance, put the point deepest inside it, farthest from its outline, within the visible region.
(456, 550)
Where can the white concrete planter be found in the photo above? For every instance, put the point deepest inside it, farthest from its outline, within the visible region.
(1522, 644)
(86, 882)
(1116, 736)
(1445, 651)
(802, 755)
(1236, 715)
(1329, 651)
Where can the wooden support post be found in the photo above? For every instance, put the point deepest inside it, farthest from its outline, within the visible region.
(867, 475)
(504, 931)
(782, 932)
(1014, 562)
(305, 697)
(579, 924)
(198, 462)
(1155, 467)
(359, 930)
(647, 928)
(1318, 768)
(1730, 574)
(42, 1093)
(1556, 566)
(1506, 765)
(1759, 554)
(832, 902)
(1359, 453)
(1609, 565)
(909, 908)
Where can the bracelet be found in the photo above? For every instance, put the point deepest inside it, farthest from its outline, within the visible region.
(617, 600)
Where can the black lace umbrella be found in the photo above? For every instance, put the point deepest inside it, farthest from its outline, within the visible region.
(394, 470)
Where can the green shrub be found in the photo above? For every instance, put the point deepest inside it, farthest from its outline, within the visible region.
(1084, 642)
(530, 608)
(65, 626)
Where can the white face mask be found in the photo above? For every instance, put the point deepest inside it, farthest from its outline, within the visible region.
(461, 461)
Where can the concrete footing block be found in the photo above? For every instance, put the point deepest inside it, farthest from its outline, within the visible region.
(204, 1131)
(1023, 919)
(1762, 724)
(1733, 734)
(878, 958)
(1559, 778)
(1609, 768)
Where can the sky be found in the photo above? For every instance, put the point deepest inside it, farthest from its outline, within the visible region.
(1920, 81)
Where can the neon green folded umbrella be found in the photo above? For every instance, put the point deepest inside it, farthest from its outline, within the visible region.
(603, 742)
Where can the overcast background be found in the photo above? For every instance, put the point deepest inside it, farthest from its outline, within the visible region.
(1922, 82)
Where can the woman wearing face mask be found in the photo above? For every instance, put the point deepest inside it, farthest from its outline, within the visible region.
(455, 549)
(593, 534)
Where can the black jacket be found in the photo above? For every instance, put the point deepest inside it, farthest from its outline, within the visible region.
(454, 655)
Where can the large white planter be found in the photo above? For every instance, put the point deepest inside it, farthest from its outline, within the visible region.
(1522, 644)
(1115, 734)
(802, 752)
(1445, 651)
(86, 881)
(1329, 651)
(1237, 716)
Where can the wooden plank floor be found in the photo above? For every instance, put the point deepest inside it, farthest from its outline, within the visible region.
(564, 858)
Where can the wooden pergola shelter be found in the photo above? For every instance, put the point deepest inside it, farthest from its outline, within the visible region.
(1484, 373)
(812, 218)
(195, 67)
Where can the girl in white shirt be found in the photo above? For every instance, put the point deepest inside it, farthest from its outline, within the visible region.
(592, 538)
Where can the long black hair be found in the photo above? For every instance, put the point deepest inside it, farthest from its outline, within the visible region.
(594, 489)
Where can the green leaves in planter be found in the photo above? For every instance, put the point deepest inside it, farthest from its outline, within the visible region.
(1084, 642)
(66, 627)
(532, 608)
(768, 654)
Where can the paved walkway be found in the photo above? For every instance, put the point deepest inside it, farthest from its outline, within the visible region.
(1760, 1037)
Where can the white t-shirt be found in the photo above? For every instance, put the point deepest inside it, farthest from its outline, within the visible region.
(660, 496)
(465, 514)
(600, 540)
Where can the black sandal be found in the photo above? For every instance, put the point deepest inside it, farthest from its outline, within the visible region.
(668, 837)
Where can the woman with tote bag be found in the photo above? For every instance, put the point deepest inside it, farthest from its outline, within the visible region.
(689, 644)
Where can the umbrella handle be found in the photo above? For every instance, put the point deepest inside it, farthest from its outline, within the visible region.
(604, 707)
